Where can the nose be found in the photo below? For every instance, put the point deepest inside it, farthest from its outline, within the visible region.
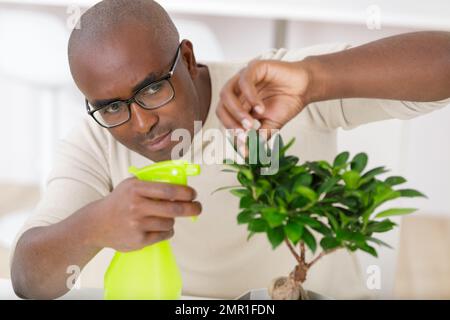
(142, 120)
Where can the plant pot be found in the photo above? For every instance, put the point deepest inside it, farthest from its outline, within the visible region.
(263, 294)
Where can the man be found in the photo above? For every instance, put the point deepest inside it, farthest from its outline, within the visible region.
(141, 84)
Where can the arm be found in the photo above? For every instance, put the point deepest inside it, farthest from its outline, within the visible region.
(413, 67)
(128, 219)
(43, 254)
(79, 215)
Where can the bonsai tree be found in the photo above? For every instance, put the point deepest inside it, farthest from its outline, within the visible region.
(316, 205)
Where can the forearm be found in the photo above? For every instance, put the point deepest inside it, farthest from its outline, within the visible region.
(414, 67)
(43, 255)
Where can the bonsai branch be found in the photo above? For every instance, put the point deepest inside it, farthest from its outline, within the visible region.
(302, 252)
(291, 248)
(322, 254)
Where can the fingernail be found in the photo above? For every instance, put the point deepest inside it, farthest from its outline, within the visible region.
(256, 124)
(258, 109)
(246, 124)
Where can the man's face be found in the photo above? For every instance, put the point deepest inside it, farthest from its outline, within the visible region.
(120, 66)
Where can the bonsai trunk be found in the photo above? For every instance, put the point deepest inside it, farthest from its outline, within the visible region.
(291, 287)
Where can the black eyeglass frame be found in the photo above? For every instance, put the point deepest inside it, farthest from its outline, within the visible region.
(166, 77)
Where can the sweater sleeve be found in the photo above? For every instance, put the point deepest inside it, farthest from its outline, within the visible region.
(79, 176)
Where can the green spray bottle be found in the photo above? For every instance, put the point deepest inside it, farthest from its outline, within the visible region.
(150, 273)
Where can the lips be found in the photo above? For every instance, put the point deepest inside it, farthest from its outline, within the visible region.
(159, 142)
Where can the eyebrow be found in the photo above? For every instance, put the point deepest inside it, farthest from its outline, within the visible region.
(151, 77)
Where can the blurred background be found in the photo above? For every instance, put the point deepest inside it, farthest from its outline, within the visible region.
(40, 104)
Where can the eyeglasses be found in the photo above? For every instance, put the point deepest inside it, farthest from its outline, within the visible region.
(153, 96)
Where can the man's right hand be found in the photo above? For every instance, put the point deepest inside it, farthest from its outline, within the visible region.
(139, 213)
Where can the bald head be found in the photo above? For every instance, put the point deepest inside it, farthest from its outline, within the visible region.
(104, 21)
(129, 47)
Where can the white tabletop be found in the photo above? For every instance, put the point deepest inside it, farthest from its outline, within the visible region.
(7, 293)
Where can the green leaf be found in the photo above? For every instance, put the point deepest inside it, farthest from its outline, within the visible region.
(341, 159)
(351, 236)
(369, 249)
(273, 217)
(345, 220)
(379, 242)
(258, 225)
(411, 193)
(384, 193)
(234, 165)
(309, 240)
(325, 165)
(359, 162)
(304, 219)
(317, 169)
(240, 192)
(243, 180)
(332, 220)
(299, 202)
(245, 202)
(303, 179)
(264, 184)
(293, 231)
(380, 226)
(257, 207)
(287, 146)
(257, 191)
(245, 216)
(247, 173)
(327, 185)
(395, 180)
(227, 161)
(224, 188)
(324, 230)
(276, 236)
(351, 179)
(372, 173)
(328, 243)
(395, 212)
(306, 192)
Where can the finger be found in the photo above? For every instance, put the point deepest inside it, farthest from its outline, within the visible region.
(169, 209)
(255, 72)
(230, 101)
(165, 191)
(227, 120)
(152, 224)
(154, 237)
(235, 134)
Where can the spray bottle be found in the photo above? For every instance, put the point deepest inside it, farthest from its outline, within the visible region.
(150, 273)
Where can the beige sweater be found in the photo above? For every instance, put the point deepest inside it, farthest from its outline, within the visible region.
(213, 254)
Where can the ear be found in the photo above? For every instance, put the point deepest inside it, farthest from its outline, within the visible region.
(187, 54)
